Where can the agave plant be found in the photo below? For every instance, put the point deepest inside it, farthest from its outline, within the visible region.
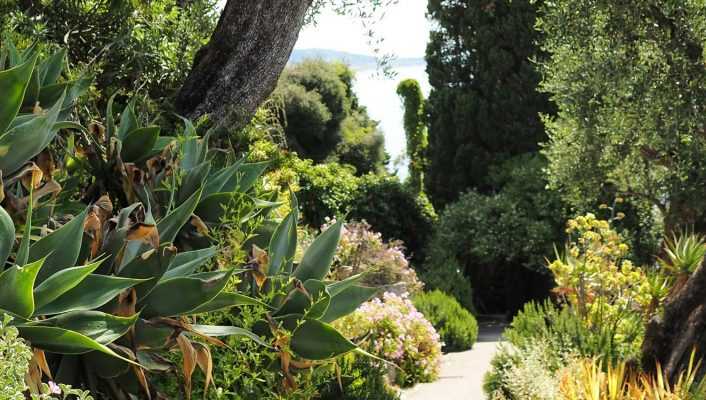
(303, 303)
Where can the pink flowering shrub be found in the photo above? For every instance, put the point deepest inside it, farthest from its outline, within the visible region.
(363, 250)
(394, 330)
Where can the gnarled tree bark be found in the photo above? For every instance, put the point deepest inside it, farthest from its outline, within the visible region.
(671, 337)
(239, 67)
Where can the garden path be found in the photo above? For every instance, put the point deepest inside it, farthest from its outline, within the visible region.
(462, 373)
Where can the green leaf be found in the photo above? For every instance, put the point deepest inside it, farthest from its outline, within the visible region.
(61, 247)
(93, 292)
(315, 340)
(13, 84)
(16, 284)
(246, 177)
(149, 265)
(227, 300)
(193, 292)
(216, 182)
(347, 301)
(339, 286)
(62, 341)
(101, 327)
(193, 181)
(7, 236)
(128, 120)
(51, 68)
(317, 259)
(170, 225)
(138, 143)
(25, 141)
(212, 208)
(283, 245)
(61, 282)
(186, 263)
(220, 331)
(314, 305)
(110, 120)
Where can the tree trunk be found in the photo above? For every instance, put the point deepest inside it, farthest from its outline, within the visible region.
(238, 69)
(671, 337)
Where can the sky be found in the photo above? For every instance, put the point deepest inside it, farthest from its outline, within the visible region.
(404, 29)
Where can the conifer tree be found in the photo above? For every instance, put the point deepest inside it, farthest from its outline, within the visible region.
(484, 102)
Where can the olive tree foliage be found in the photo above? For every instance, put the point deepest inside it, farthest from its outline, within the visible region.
(415, 129)
(629, 79)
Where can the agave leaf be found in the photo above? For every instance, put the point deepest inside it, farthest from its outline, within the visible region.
(16, 284)
(347, 301)
(337, 287)
(193, 292)
(283, 245)
(128, 121)
(50, 94)
(150, 265)
(170, 225)
(7, 236)
(50, 69)
(13, 85)
(93, 292)
(25, 141)
(212, 208)
(317, 259)
(139, 143)
(225, 301)
(313, 303)
(105, 366)
(220, 331)
(62, 341)
(216, 182)
(61, 282)
(99, 326)
(315, 340)
(193, 181)
(61, 247)
(186, 263)
(246, 177)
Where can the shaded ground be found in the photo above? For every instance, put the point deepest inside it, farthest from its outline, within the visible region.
(462, 373)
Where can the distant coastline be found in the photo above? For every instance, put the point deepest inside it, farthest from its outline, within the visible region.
(355, 61)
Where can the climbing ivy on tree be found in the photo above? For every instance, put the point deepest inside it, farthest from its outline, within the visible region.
(416, 131)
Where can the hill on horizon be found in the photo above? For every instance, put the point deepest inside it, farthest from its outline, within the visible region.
(355, 61)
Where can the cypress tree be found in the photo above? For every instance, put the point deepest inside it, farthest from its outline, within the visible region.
(416, 131)
(484, 106)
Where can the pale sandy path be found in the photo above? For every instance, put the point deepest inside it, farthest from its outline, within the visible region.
(461, 373)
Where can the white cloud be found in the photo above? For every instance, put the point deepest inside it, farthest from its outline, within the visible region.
(404, 30)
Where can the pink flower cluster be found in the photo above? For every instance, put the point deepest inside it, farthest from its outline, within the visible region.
(393, 329)
(363, 250)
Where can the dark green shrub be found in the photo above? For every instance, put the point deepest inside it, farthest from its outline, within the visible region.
(325, 190)
(456, 326)
(500, 241)
(394, 211)
(322, 118)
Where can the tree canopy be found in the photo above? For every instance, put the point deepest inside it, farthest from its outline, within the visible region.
(484, 102)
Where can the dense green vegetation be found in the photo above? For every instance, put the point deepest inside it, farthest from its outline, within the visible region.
(556, 175)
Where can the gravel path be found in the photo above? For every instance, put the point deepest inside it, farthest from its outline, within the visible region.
(462, 373)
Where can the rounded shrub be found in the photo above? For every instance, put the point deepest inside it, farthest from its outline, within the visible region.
(457, 327)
